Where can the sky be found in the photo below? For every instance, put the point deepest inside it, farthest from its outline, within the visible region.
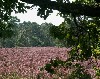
(31, 16)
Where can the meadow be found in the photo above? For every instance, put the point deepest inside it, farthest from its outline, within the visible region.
(25, 62)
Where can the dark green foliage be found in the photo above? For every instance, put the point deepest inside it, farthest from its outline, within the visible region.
(57, 32)
(79, 73)
(56, 62)
(53, 64)
(48, 68)
(6, 8)
(84, 37)
(6, 30)
(97, 72)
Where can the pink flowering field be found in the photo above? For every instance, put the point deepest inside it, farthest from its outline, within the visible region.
(26, 61)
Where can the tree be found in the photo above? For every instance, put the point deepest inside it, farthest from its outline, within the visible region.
(9, 40)
(82, 16)
(79, 7)
(29, 34)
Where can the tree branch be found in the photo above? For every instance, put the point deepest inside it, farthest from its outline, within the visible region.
(65, 8)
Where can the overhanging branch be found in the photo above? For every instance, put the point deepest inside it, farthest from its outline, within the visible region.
(65, 8)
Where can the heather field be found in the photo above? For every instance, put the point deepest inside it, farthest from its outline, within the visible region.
(26, 61)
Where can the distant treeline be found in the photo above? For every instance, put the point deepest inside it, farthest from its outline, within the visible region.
(30, 34)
